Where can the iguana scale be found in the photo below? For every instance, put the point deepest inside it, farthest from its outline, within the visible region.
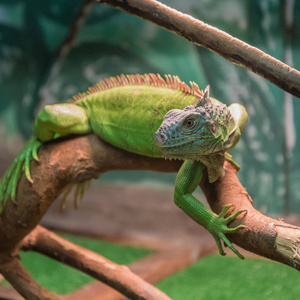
(151, 116)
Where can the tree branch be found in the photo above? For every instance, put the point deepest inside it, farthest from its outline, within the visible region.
(119, 277)
(63, 50)
(81, 158)
(211, 38)
(22, 281)
(267, 237)
(63, 162)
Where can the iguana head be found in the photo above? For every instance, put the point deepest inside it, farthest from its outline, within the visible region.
(197, 130)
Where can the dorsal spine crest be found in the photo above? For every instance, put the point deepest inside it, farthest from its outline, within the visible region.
(204, 100)
(171, 82)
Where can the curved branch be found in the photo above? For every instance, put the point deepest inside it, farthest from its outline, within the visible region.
(119, 277)
(81, 158)
(267, 237)
(63, 162)
(218, 41)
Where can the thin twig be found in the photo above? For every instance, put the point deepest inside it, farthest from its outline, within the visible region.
(216, 40)
(64, 49)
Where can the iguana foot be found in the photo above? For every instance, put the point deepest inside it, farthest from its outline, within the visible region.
(218, 228)
(21, 163)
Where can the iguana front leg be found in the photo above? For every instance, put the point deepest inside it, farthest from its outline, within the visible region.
(187, 180)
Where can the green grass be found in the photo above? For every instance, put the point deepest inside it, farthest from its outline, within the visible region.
(215, 277)
(61, 279)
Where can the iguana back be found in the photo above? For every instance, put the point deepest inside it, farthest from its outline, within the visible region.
(124, 111)
(127, 111)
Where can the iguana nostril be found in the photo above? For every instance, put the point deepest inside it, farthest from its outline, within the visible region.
(160, 138)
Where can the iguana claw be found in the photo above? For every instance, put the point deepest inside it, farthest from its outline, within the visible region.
(218, 229)
(21, 163)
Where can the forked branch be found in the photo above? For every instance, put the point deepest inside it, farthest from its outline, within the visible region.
(61, 163)
(119, 277)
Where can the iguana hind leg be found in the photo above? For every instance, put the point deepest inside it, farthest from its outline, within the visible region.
(53, 121)
(21, 163)
(60, 120)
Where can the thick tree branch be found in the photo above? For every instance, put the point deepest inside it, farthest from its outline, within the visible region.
(81, 158)
(119, 277)
(216, 40)
(63, 162)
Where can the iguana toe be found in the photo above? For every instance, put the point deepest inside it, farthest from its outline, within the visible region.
(9, 182)
(219, 228)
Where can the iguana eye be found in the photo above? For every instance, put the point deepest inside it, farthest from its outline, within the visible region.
(189, 122)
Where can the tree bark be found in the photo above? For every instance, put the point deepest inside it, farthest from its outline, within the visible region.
(211, 38)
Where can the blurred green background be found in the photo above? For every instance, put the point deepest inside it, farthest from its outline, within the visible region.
(111, 42)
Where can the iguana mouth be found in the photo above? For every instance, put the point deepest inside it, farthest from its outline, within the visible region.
(184, 150)
(177, 151)
(176, 146)
(165, 144)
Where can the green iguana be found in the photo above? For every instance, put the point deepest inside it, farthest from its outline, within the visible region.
(151, 116)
